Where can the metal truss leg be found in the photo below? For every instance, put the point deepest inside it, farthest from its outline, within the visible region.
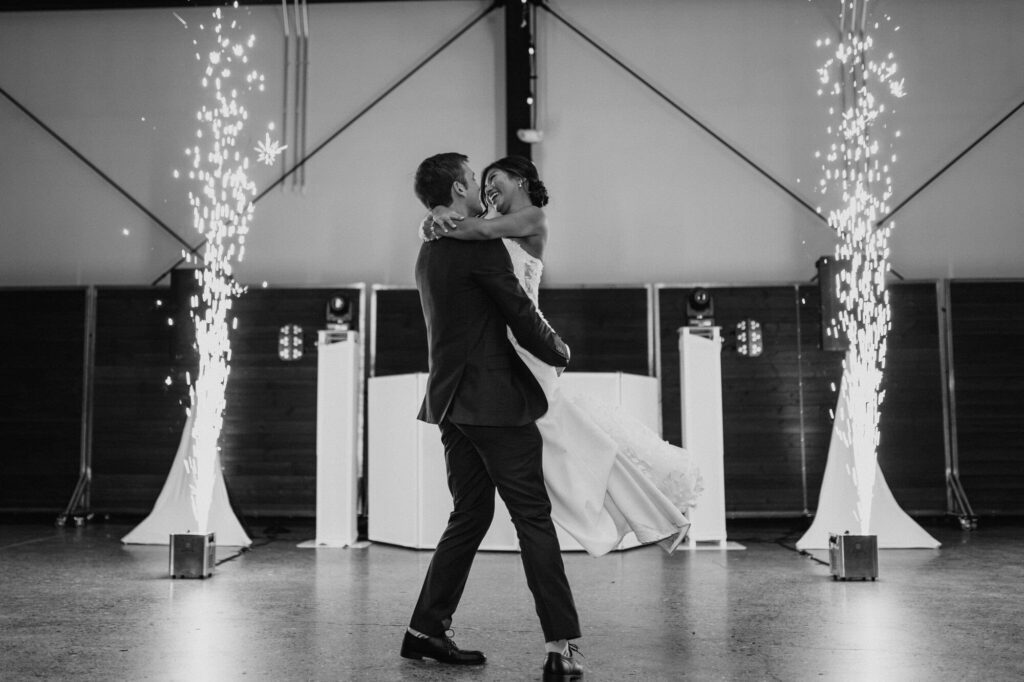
(78, 506)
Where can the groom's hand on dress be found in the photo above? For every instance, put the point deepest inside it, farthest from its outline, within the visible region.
(562, 348)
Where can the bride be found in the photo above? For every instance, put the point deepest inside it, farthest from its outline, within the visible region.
(607, 474)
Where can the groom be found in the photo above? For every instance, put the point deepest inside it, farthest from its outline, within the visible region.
(485, 401)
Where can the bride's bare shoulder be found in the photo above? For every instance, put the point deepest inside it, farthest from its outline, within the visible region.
(532, 245)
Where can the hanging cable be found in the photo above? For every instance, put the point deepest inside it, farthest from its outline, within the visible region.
(362, 112)
(296, 125)
(284, 88)
(532, 50)
(305, 89)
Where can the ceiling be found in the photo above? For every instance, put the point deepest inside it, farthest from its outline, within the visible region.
(47, 5)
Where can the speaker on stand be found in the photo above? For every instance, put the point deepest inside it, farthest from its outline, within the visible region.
(832, 336)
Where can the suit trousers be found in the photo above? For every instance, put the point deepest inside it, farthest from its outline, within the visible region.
(480, 459)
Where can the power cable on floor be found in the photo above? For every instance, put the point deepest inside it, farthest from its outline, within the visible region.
(270, 534)
(782, 541)
(801, 552)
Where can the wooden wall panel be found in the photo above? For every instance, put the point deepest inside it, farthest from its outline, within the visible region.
(137, 416)
(911, 450)
(606, 328)
(269, 439)
(760, 396)
(912, 443)
(820, 375)
(41, 393)
(778, 409)
(988, 366)
(671, 316)
(400, 334)
(268, 442)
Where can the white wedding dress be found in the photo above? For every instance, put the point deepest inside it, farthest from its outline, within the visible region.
(607, 474)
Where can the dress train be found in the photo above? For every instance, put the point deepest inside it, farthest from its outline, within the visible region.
(607, 474)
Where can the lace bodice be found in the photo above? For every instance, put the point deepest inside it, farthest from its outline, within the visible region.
(528, 268)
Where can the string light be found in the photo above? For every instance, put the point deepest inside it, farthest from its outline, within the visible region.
(528, 23)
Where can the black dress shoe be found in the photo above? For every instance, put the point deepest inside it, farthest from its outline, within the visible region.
(559, 667)
(441, 649)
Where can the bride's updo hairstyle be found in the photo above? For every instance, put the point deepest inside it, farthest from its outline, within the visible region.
(518, 167)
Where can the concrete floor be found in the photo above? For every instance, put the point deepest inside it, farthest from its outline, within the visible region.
(75, 604)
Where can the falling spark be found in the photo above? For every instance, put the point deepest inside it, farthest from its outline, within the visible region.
(222, 210)
(269, 150)
(860, 185)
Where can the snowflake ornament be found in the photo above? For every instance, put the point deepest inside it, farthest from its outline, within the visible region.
(269, 150)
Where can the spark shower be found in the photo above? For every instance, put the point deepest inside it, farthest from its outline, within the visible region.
(222, 211)
(858, 182)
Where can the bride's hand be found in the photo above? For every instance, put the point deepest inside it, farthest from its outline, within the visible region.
(445, 218)
(428, 230)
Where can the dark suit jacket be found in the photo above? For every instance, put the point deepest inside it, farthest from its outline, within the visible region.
(469, 294)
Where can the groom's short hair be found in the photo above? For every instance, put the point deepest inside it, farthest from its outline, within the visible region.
(435, 177)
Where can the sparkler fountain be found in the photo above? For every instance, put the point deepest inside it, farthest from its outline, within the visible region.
(858, 180)
(221, 214)
(222, 210)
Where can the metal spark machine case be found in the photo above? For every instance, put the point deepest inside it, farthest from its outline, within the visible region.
(193, 555)
(853, 556)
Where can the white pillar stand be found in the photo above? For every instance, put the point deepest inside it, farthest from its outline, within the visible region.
(337, 439)
(837, 504)
(700, 385)
(172, 513)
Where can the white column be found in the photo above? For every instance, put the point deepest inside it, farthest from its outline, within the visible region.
(338, 444)
(700, 384)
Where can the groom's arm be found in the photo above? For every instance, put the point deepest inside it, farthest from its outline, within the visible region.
(493, 271)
